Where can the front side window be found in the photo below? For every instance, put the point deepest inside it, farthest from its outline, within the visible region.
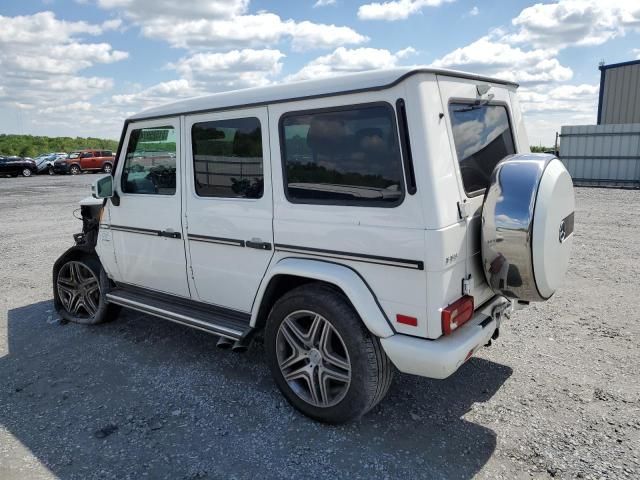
(482, 135)
(227, 158)
(346, 156)
(150, 162)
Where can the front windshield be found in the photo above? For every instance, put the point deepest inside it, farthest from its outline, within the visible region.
(74, 155)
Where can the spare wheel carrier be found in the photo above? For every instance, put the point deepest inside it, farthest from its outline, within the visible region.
(527, 226)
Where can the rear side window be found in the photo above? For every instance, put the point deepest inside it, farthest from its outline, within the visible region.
(482, 135)
(227, 158)
(345, 156)
(150, 163)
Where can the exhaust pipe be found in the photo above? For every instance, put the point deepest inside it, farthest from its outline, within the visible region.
(224, 343)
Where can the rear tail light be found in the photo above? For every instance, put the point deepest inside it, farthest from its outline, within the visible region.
(457, 314)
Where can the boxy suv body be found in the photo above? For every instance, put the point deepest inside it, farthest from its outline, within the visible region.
(381, 220)
(85, 161)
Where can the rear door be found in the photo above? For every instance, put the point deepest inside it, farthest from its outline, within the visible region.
(146, 227)
(480, 134)
(229, 209)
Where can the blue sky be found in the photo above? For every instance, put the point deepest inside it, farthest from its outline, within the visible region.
(79, 67)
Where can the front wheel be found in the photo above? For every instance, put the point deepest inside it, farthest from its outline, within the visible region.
(322, 357)
(74, 170)
(51, 171)
(80, 291)
(26, 172)
(107, 168)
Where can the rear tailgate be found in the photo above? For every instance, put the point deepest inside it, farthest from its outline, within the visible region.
(480, 134)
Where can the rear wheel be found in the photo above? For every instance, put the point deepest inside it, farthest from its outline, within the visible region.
(322, 357)
(81, 284)
(26, 172)
(51, 172)
(74, 169)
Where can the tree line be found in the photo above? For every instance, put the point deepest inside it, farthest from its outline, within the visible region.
(32, 146)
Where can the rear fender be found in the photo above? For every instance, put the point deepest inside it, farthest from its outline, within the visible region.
(345, 278)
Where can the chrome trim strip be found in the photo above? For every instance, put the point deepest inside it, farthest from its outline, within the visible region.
(175, 317)
(220, 240)
(142, 231)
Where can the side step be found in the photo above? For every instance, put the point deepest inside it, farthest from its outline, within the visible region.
(220, 321)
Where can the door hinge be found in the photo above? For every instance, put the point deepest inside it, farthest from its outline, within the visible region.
(463, 209)
(467, 285)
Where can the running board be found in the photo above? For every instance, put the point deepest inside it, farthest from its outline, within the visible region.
(209, 318)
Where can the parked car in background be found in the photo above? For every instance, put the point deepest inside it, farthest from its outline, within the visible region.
(15, 166)
(45, 161)
(88, 160)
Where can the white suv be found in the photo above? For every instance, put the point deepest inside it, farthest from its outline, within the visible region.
(381, 220)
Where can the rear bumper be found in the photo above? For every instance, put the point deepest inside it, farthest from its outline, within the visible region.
(442, 357)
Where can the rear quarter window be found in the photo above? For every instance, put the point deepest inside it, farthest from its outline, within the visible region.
(342, 156)
(482, 136)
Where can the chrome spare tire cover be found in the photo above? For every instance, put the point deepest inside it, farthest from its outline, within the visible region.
(527, 226)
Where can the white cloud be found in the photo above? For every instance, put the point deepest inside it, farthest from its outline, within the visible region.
(636, 52)
(396, 9)
(205, 73)
(234, 69)
(158, 94)
(219, 24)
(249, 31)
(42, 56)
(575, 22)
(474, 11)
(497, 58)
(141, 9)
(324, 3)
(344, 60)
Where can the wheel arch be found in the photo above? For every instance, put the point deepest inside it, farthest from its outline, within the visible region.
(289, 273)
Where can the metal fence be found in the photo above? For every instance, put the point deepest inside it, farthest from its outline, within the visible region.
(606, 155)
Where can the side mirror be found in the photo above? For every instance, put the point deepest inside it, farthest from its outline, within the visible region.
(102, 187)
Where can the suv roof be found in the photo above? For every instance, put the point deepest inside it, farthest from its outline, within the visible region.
(344, 84)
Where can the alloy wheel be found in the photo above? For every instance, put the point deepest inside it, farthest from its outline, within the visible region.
(313, 358)
(75, 170)
(26, 172)
(107, 169)
(78, 289)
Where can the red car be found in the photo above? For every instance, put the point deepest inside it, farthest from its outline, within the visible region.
(85, 160)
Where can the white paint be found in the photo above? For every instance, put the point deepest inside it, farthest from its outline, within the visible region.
(554, 202)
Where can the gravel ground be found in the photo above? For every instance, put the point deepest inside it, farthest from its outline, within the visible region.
(556, 396)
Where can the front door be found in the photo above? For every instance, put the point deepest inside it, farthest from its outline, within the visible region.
(228, 205)
(146, 227)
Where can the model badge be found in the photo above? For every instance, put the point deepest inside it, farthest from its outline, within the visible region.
(562, 234)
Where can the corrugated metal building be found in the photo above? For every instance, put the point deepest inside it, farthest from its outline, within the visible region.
(619, 100)
(608, 154)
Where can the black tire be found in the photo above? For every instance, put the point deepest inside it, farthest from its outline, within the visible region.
(51, 171)
(74, 170)
(371, 370)
(107, 168)
(26, 172)
(104, 312)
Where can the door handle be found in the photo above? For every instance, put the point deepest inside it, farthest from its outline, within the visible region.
(169, 234)
(258, 244)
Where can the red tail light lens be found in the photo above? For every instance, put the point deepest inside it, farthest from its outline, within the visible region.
(457, 314)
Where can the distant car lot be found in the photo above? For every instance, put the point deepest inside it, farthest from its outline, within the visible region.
(143, 397)
(74, 163)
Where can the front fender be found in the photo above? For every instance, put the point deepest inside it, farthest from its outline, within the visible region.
(343, 277)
